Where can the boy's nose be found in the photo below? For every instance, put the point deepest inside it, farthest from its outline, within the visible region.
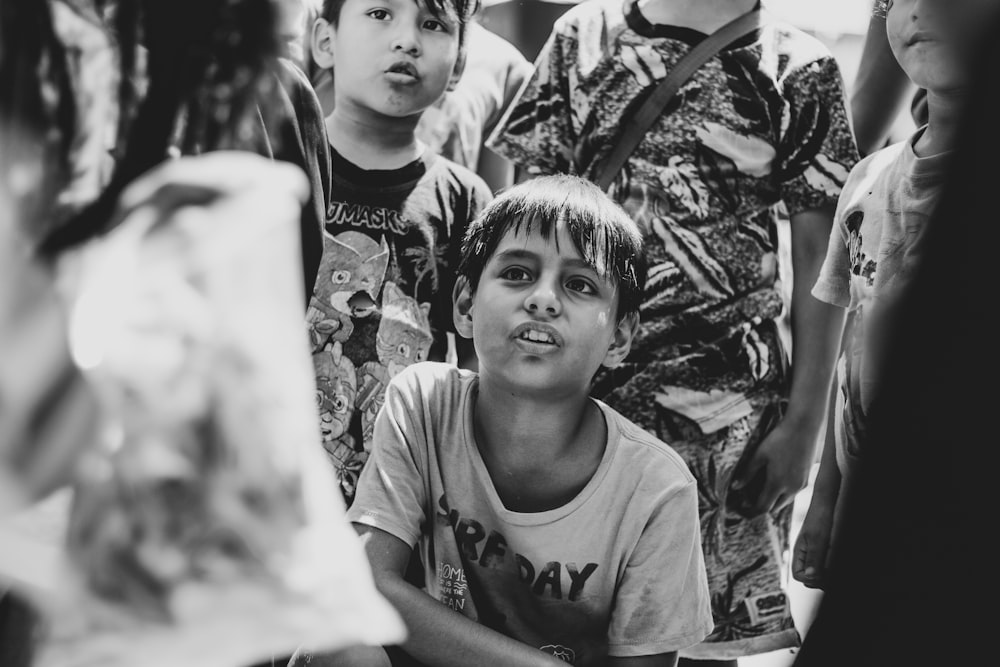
(406, 40)
(543, 299)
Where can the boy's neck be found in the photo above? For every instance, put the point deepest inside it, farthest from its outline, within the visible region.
(372, 141)
(944, 117)
(703, 15)
(540, 453)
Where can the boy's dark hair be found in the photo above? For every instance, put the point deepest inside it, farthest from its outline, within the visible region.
(461, 11)
(602, 232)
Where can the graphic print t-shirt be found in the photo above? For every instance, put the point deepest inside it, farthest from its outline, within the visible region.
(382, 298)
(616, 571)
(874, 246)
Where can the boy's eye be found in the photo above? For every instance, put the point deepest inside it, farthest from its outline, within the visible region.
(435, 25)
(581, 285)
(379, 14)
(514, 273)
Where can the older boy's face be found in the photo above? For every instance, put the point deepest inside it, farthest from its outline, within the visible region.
(393, 57)
(542, 318)
(935, 40)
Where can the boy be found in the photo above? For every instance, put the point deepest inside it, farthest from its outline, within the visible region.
(877, 241)
(733, 185)
(382, 299)
(550, 528)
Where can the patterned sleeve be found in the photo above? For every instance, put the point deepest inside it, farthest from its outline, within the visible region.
(536, 133)
(391, 489)
(516, 70)
(663, 609)
(817, 150)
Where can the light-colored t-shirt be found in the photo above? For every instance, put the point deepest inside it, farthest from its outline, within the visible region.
(874, 247)
(458, 123)
(616, 571)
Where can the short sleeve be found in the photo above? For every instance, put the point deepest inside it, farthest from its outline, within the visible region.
(833, 283)
(519, 70)
(662, 609)
(391, 490)
(536, 133)
(816, 150)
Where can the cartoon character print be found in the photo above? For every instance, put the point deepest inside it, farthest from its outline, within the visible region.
(861, 265)
(336, 389)
(336, 393)
(348, 283)
(403, 338)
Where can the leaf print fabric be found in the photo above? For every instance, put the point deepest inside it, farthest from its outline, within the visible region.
(757, 134)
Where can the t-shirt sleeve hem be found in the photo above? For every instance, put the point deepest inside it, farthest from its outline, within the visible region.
(830, 293)
(668, 645)
(375, 520)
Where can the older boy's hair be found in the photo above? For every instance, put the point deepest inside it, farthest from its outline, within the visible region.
(602, 232)
(461, 10)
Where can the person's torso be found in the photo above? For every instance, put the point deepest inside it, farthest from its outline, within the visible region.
(882, 221)
(383, 292)
(548, 579)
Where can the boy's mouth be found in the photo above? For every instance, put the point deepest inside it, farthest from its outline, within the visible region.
(534, 332)
(920, 36)
(404, 68)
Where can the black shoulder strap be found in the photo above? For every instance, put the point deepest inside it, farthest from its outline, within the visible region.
(635, 127)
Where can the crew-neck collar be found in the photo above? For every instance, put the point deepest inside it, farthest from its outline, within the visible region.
(547, 516)
(380, 177)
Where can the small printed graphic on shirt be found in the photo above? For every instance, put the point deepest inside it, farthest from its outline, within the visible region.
(452, 584)
(764, 607)
(564, 653)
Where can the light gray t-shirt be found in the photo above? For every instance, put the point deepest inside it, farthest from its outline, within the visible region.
(874, 247)
(616, 571)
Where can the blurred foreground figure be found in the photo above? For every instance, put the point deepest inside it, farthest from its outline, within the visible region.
(152, 354)
(906, 587)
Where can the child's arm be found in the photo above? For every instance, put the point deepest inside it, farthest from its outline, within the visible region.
(813, 542)
(438, 636)
(880, 90)
(788, 451)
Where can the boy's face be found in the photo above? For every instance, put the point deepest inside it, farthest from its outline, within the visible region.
(935, 40)
(394, 57)
(542, 319)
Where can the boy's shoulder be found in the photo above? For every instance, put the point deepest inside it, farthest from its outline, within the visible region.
(458, 176)
(428, 381)
(793, 43)
(873, 166)
(645, 454)
(604, 15)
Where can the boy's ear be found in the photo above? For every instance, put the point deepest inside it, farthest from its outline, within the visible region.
(621, 344)
(462, 309)
(456, 73)
(323, 36)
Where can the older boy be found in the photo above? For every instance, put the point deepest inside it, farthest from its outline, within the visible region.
(550, 528)
(876, 240)
(382, 299)
(733, 185)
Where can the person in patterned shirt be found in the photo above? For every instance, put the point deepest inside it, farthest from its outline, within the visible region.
(734, 188)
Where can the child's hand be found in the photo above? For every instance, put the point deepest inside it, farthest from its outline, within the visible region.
(778, 470)
(811, 553)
